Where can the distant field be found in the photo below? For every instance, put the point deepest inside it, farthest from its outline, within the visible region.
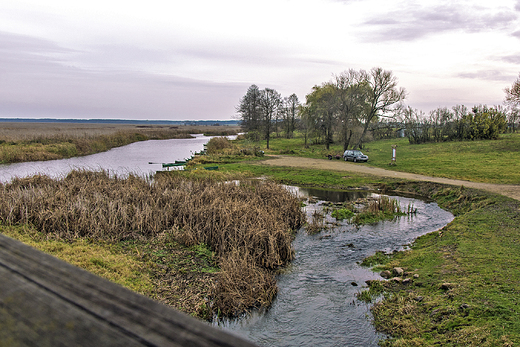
(23, 131)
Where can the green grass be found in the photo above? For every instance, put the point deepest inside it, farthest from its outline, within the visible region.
(478, 255)
(103, 259)
(491, 161)
(162, 269)
(342, 213)
(306, 177)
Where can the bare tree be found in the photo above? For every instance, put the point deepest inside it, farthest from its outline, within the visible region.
(383, 97)
(250, 112)
(292, 108)
(269, 103)
(513, 93)
(513, 101)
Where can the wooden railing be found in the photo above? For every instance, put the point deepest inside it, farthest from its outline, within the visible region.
(47, 302)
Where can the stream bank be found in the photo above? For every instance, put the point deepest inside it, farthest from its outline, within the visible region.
(317, 301)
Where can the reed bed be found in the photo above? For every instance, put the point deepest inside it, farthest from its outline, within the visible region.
(248, 225)
(20, 142)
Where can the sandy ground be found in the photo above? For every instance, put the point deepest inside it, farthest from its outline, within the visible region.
(512, 191)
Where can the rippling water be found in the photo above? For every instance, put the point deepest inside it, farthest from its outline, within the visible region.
(316, 304)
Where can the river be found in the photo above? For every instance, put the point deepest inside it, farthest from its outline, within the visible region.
(316, 304)
(132, 158)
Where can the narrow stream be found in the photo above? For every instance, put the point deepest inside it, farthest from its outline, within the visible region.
(316, 304)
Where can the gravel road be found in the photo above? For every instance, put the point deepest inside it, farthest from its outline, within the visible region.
(512, 191)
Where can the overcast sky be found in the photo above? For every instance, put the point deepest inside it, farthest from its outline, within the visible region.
(195, 59)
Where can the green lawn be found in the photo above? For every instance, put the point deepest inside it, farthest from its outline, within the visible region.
(487, 161)
(490, 161)
(476, 257)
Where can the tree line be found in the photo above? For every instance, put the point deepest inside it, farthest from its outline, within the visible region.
(263, 111)
(359, 105)
(459, 123)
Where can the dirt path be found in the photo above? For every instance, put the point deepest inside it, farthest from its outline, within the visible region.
(512, 191)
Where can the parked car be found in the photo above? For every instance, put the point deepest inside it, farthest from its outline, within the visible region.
(354, 155)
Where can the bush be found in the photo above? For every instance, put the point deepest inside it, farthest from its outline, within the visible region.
(217, 144)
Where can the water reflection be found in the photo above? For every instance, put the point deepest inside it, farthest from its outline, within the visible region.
(316, 304)
(332, 195)
(132, 158)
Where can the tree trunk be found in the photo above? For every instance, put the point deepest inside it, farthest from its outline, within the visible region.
(358, 145)
(347, 141)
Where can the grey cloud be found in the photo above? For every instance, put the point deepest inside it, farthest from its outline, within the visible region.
(514, 59)
(412, 23)
(517, 6)
(490, 75)
(121, 56)
(38, 82)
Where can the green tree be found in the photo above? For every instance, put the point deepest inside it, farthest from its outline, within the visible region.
(321, 104)
(351, 91)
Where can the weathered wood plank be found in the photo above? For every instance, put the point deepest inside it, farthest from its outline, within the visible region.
(47, 302)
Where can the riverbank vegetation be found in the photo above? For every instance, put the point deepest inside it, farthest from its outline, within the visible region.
(462, 281)
(20, 142)
(213, 243)
(458, 286)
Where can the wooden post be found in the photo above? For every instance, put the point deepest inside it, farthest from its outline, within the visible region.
(393, 155)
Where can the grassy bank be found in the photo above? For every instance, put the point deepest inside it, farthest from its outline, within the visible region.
(208, 247)
(464, 278)
(20, 142)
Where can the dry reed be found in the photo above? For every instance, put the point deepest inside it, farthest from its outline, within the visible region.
(20, 142)
(249, 226)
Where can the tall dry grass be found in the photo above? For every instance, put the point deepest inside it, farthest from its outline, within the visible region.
(249, 225)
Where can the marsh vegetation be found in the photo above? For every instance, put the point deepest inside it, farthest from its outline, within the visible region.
(362, 211)
(248, 226)
(21, 142)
